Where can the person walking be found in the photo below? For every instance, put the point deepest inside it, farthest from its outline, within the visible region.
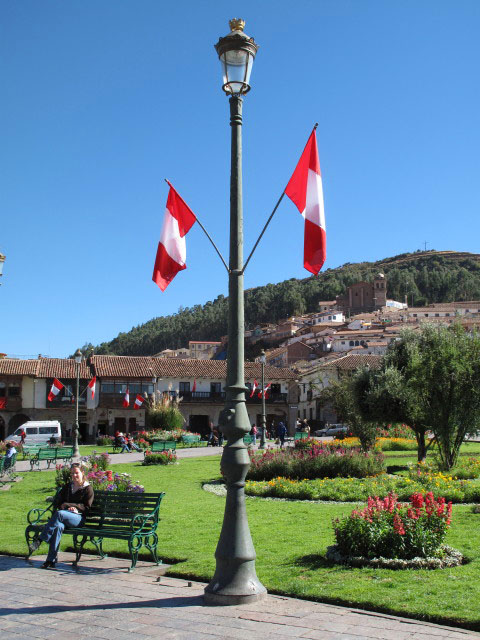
(253, 433)
(71, 505)
(281, 433)
(23, 435)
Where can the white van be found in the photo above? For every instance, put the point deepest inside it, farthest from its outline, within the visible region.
(38, 432)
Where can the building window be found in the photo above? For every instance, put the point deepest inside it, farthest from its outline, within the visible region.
(184, 387)
(215, 387)
(351, 344)
(14, 390)
(448, 315)
(415, 315)
(3, 389)
(437, 315)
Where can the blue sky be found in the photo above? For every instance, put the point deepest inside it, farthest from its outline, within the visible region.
(103, 99)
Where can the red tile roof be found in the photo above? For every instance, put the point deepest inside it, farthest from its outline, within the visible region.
(354, 361)
(62, 368)
(10, 367)
(125, 366)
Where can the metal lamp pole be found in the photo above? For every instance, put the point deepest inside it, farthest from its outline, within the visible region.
(235, 580)
(264, 417)
(78, 360)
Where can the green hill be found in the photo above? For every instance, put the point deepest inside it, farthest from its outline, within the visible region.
(425, 277)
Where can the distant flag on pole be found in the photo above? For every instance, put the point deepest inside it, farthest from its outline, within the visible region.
(264, 391)
(138, 402)
(306, 192)
(254, 388)
(126, 399)
(194, 388)
(91, 385)
(57, 386)
(172, 252)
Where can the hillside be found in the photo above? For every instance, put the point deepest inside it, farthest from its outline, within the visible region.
(425, 277)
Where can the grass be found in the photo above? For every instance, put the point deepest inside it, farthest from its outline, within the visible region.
(290, 540)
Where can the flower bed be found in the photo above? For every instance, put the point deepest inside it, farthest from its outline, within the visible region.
(314, 462)
(449, 557)
(358, 489)
(164, 457)
(102, 479)
(389, 529)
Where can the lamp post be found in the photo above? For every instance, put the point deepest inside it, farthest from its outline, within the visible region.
(78, 360)
(235, 580)
(2, 260)
(263, 426)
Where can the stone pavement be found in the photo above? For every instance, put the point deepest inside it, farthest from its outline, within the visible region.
(102, 601)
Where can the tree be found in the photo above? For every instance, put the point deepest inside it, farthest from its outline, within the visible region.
(430, 380)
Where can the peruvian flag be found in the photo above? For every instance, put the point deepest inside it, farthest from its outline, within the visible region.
(306, 192)
(265, 390)
(194, 388)
(3, 403)
(126, 399)
(138, 402)
(254, 388)
(91, 385)
(172, 251)
(57, 386)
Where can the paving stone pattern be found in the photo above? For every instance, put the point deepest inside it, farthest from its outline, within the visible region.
(102, 600)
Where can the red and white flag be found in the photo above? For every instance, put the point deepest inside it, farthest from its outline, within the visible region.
(194, 388)
(138, 402)
(126, 399)
(57, 386)
(306, 192)
(91, 385)
(254, 388)
(172, 251)
(3, 403)
(265, 390)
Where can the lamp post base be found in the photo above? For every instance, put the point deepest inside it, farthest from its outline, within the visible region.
(225, 600)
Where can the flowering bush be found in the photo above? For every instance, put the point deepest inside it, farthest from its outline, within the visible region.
(105, 441)
(164, 457)
(397, 431)
(316, 462)
(162, 434)
(356, 489)
(102, 479)
(388, 529)
(97, 460)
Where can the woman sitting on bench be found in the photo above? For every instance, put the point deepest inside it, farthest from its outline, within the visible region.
(71, 504)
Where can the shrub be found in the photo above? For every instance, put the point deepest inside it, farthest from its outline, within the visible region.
(164, 457)
(315, 462)
(97, 461)
(163, 413)
(396, 431)
(396, 444)
(385, 528)
(104, 441)
(105, 480)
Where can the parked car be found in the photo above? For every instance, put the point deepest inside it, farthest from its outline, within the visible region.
(333, 430)
(38, 432)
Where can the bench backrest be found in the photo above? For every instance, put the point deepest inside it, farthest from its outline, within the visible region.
(66, 452)
(115, 509)
(247, 439)
(162, 445)
(190, 439)
(301, 435)
(50, 453)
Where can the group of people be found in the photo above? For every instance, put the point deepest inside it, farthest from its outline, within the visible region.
(125, 442)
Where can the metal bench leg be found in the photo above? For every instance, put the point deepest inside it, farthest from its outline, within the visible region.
(151, 542)
(134, 545)
(98, 542)
(78, 544)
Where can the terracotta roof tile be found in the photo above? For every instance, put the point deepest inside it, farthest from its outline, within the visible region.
(62, 368)
(354, 361)
(126, 366)
(10, 367)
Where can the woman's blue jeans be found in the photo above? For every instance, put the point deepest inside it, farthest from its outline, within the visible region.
(52, 531)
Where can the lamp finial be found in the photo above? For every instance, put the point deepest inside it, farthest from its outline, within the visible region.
(236, 24)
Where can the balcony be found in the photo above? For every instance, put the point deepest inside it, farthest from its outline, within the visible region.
(219, 396)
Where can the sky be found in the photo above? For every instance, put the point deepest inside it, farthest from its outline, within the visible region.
(103, 99)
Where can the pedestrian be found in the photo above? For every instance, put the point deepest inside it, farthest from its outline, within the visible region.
(9, 453)
(253, 433)
(23, 435)
(71, 505)
(281, 433)
(220, 436)
(123, 443)
(305, 426)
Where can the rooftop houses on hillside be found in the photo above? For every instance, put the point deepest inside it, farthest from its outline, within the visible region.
(200, 384)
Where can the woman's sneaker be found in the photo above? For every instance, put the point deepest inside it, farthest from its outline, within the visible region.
(33, 546)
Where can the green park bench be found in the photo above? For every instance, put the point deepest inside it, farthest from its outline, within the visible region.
(247, 439)
(51, 454)
(30, 449)
(301, 435)
(7, 466)
(163, 445)
(191, 441)
(118, 515)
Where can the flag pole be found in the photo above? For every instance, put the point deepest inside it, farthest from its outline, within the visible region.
(268, 221)
(208, 236)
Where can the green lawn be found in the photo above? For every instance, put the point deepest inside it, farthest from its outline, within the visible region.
(290, 539)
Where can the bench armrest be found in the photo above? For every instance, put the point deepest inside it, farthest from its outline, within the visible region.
(143, 523)
(34, 516)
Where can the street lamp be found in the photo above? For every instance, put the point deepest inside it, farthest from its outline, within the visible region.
(78, 360)
(2, 260)
(263, 359)
(235, 580)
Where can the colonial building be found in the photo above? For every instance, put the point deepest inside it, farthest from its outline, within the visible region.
(364, 297)
(198, 385)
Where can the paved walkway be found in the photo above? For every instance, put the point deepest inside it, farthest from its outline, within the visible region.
(101, 600)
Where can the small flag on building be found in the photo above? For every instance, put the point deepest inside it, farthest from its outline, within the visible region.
(126, 399)
(305, 191)
(3, 403)
(91, 385)
(194, 388)
(264, 391)
(57, 386)
(139, 400)
(254, 388)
